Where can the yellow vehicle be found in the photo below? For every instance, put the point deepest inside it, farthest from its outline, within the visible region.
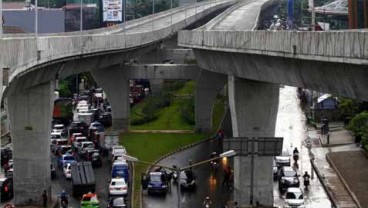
(90, 200)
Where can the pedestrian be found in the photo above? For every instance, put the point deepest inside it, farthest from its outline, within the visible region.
(44, 198)
(227, 174)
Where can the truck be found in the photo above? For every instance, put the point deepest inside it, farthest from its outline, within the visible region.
(83, 179)
(63, 110)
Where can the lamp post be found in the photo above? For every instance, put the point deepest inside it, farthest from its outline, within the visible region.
(36, 18)
(178, 170)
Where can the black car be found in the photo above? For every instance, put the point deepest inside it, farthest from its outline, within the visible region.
(117, 202)
(6, 155)
(78, 127)
(6, 188)
(288, 177)
(105, 119)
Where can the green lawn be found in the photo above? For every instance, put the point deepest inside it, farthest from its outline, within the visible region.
(149, 147)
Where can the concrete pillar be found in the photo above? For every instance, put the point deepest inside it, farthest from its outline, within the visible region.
(30, 112)
(156, 85)
(253, 107)
(116, 86)
(208, 85)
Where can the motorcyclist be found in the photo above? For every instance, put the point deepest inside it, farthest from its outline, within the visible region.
(295, 151)
(215, 162)
(306, 178)
(207, 202)
(64, 198)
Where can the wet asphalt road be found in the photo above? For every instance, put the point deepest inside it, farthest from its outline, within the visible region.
(207, 183)
(290, 125)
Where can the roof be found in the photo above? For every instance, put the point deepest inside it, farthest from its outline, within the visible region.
(117, 179)
(294, 189)
(288, 168)
(323, 97)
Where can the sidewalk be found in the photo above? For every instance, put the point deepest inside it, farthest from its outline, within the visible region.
(328, 176)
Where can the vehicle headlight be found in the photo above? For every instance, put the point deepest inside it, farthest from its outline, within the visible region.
(150, 186)
(283, 180)
(296, 180)
(164, 186)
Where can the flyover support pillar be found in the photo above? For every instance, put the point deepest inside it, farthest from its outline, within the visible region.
(208, 85)
(253, 107)
(115, 83)
(30, 112)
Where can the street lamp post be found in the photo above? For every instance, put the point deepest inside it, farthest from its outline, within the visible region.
(178, 170)
(36, 18)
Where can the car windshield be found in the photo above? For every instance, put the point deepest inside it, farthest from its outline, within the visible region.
(289, 173)
(118, 183)
(292, 195)
(118, 202)
(68, 158)
(155, 178)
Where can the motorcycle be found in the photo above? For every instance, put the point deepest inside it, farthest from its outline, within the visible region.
(175, 175)
(64, 202)
(296, 157)
(214, 166)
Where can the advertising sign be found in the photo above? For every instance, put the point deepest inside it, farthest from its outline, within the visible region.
(112, 10)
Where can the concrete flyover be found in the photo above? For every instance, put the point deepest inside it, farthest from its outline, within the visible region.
(257, 61)
(33, 64)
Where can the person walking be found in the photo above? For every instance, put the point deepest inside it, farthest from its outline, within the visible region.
(44, 198)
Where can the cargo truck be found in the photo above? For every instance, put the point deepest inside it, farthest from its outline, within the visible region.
(83, 179)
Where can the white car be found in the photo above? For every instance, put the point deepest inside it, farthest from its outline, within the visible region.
(283, 159)
(118, 186)
(118, 149)
(67, 169)
(294, 198)
(56, 135)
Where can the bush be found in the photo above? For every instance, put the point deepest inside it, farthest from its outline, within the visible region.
(358, 126)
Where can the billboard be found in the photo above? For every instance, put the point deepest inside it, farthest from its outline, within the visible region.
(112, 10)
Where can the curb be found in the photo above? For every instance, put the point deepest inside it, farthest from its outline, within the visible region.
(343, 181)
(325, 187)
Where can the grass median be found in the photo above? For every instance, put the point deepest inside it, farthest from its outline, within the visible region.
(151, 146)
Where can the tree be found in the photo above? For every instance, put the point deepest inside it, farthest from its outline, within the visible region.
(64, 90)
(348, 107)
(359, 126)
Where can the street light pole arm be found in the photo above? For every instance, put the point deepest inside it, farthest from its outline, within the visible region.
(200, 163)
(162, 166)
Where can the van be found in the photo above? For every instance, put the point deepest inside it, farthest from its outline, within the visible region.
(120, 169)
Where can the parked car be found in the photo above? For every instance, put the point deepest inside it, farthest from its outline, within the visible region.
(294, 198)
(64, 159)
(288, 178)
(6, 188)
(117, 202)
(118, 186)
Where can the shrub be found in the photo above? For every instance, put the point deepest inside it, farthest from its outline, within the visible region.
(187, 110)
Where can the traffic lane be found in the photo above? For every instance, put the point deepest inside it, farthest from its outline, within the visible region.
(207, 183)
(291, 125)
(102, 176)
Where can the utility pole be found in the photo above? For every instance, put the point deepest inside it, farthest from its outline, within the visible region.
(313, 23)
(36, 18)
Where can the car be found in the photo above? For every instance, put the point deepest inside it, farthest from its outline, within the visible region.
(60, 128)
(53, 171)
(118, 186)
(6, 188)
(105, 119)
(96, 126)
(78, 127)
(67, 170)
(117, 150)
(56, 145)
(187, 180)
(56, 135)
(64, 159)
(82, 151)
(6, 155)
(78, 141)
(288, 177)
(155, 182)
(117, 202)
(283, 159)
(89, 200)
(74, 135)
(294, 198)
(96, 160)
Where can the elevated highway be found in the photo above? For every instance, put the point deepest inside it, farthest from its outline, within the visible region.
(34, 63)
(257, 62)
